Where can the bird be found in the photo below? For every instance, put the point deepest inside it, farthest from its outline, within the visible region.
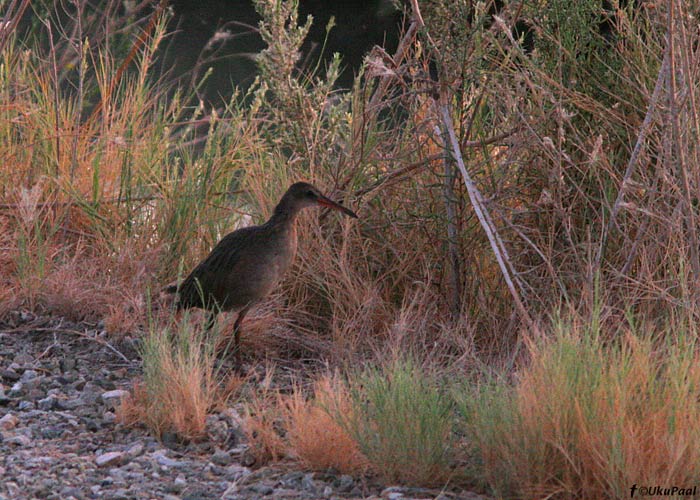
(248, 263)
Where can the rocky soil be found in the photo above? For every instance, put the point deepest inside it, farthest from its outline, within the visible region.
(59, 439)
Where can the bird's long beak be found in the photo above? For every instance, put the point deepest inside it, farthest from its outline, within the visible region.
(327, 202)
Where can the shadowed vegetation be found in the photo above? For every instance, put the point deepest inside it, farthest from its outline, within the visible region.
(528, 231)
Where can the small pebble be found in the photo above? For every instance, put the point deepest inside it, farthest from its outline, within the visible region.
(221, 457)
(235, 472)
(71, 492)
(109, 458)
(51, 432)
(307, 483)
(67, 364)
(163, 460)
(16, 389)
(285, 493)
(345, 483)
(23, 359)
(178, 485)
(8, 422)
(112, 398)
(392, 493)
(26, 405)
(28, 375)
(10, 375)
(262, 488)
(19, 440)
(119, 494)
(135, 449)
(47, 404)
(69, 404)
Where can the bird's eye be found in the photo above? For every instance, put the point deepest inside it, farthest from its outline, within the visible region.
(310, 194)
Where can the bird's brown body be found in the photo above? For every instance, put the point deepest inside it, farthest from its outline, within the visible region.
(247, 264)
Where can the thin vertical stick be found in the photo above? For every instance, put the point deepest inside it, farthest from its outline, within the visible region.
(690, 70)
(56, 90)
(455, 292)
(11, 19)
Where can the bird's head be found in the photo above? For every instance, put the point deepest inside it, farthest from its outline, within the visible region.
(303, 194)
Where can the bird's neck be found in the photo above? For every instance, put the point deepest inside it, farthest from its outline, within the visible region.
(285, 213)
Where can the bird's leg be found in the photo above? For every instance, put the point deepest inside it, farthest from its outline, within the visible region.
(237, 332)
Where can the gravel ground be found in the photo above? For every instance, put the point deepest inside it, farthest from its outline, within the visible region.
(59, 384)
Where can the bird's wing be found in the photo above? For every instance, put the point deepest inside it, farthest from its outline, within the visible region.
(207, 280)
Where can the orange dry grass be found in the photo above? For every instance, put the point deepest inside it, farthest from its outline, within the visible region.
(181, 385)
(76, 290)
(8, 301)
(56, 260)
(588, 421)
(315, 437)
(262, 431)
(181, 408)
(183, 411)
(279, 426)
(262, 422)
(644, 428)
(89, 285)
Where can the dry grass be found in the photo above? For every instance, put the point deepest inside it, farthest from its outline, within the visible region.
(266, 444)
(314, 434)
(307, 429)
(262, 424)
(587, 420)
(181, 384)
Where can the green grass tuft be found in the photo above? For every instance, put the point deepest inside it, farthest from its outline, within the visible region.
(402, 422)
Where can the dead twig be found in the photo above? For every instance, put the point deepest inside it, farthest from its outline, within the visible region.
(11, 19)
(385, 80)
(398, 173)
(448, 194)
